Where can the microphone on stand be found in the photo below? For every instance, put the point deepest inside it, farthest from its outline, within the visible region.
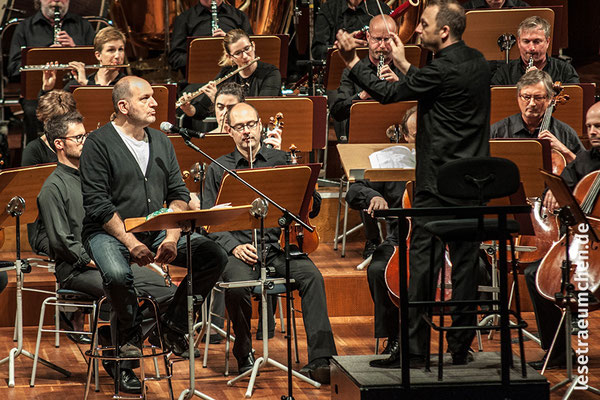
(186, 133)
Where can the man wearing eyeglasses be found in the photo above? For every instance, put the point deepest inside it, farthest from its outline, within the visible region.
(534, 93)
(244, 126)
(378, 39)
(60, 204)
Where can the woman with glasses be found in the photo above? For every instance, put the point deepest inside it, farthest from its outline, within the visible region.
(258, 79)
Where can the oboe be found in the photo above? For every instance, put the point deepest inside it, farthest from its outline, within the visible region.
(214, 23)
(198, 92)
(380, 66)
(57, 24)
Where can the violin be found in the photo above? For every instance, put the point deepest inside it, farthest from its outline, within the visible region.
(545, 224)
(582, 250)
(306, 241)
(274, 123)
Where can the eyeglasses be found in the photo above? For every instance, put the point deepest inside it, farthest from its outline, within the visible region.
(77, 139)
(241, 127)
(380, 40)
(246, 50)
(527, 98)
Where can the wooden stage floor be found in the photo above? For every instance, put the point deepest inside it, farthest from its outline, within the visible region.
(353, 336)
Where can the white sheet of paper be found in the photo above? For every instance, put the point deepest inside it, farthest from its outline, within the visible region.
(393, 157)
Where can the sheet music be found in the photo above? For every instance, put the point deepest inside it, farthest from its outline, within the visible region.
(393, 157)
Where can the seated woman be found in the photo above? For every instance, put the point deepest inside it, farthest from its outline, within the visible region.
(258, 79)
(38, 151)
(109, 49)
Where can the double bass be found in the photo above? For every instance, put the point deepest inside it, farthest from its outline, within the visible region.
(582, 249)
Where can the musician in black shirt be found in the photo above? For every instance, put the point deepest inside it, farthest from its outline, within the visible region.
(196, 21)
(453, 123)
(351, 16)
(547, 314)
(378, 40)
(533, 40)
(38, 31)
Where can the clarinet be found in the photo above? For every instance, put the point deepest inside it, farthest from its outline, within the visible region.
(530, 63)
(57, 24)
(214, 23)
(380, 66)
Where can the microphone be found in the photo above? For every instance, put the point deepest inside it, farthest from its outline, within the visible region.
(187, 134)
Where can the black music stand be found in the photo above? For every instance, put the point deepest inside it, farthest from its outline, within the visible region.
(570, 215)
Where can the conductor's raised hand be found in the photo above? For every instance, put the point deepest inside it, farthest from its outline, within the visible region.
(347, 44)
(398, 54)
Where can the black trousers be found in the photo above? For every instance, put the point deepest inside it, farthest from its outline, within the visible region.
(311, 288)
(31, 125)
(465, 264)
(386, 312)
(547, 315)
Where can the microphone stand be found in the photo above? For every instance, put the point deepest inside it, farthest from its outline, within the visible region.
(284, 222)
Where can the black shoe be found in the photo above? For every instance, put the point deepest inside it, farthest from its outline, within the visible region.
(558, 362)
(391, 346)
(246, 363)
(129, 382)
(133, 345)
(370, 247)
(79, 338)
(462, 358)
(393, 361)
(174, 341)
(318, 370)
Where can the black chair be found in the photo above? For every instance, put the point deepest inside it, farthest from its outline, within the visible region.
(475, 181)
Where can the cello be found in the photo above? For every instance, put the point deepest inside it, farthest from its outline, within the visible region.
(545, 225)
(582, 250)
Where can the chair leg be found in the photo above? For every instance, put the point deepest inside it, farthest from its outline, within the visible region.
(39, 338)
(345, 231)
(279, 304)
(227, 345)
(339, 212)
(518, 307)
(207, 314)
(376, 346)
(56, 321)
(295, 333)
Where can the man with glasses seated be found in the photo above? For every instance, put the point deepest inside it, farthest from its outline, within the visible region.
(244, 126)
(534, 93)
(378, 39)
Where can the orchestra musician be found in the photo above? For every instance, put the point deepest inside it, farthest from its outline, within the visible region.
(53, 103)
(533, 40)
(130, 170)
(371, 196)
(493, 4)
(349, 15)
(452, 89)
(258, 79)
(547, 313)
(60, 205)
(379, 59)
(244, 126)
(38, 31)
(109, 49)
(534, 93)
(197, 21)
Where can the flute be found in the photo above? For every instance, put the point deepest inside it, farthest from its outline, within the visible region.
(52, 67)
(198, 92)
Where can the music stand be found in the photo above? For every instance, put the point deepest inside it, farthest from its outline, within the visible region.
(284, 222)
(176, 220)
(291, 187)
(570, 215)
(18, 187)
